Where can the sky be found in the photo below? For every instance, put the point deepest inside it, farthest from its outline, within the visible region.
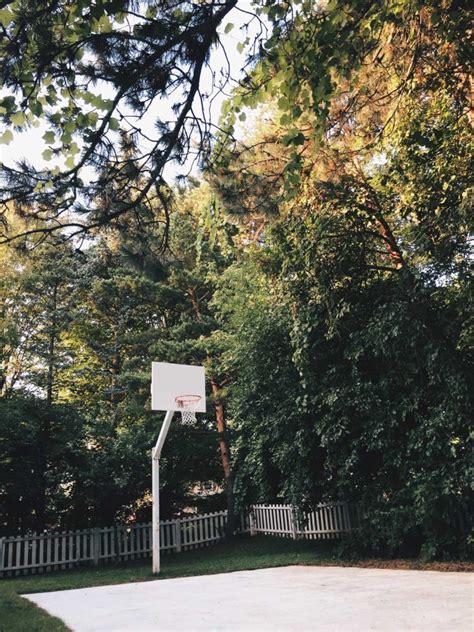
(30, 144)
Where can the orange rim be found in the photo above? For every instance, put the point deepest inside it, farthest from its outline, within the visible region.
(185, 401)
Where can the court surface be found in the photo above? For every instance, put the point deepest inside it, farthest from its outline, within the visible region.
(296, 598)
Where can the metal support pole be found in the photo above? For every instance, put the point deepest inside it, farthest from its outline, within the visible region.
(155, 490)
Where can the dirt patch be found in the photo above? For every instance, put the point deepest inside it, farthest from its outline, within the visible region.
(413, 565)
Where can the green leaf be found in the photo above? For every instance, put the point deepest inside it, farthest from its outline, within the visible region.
(100, 103)
(36, 108)
(66, 138)
(5, 17)
(49, 137)
(47, 154)
(294, 139)
(6, 137)
(88, 97)
(228, 28)
(299, 139)
(114, 124)
(18, 118)
(283, 103)
(70, 162)
(105, 25)
(297, 111)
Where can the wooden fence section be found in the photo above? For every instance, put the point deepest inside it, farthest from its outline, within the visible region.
(31, 554)
(327, 521)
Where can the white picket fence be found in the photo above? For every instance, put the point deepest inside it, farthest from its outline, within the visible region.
(32, 554)
(327, 521)
(61, 550)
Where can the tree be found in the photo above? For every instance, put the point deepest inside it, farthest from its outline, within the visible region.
(201, 248)
(371, 276)
(42, 458)
(36, 303)
(371, 336)
(314, 59)
(278, 456)
(322, 271)
(92, 72)
(81, 329)
(339, 75)
(128, 307)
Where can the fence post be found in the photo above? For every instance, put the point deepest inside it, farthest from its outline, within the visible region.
(2, 549)
(252, 522)
(347, 518)
(116, 543)
(95, 546)
(177, 535)
(294, 524)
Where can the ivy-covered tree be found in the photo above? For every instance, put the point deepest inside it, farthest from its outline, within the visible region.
(278, 456)
(378, 373)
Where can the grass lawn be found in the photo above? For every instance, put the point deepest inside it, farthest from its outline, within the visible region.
(245, 553)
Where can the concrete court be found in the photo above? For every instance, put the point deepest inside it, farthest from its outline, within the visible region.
(291, 598)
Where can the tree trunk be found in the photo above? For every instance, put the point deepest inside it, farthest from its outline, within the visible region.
(374, 206)
(225, 457)
(390, 243)
(44, 436)
(51, 349)
(3, 381)
(221, 429)
(391, 246)
(115, 396)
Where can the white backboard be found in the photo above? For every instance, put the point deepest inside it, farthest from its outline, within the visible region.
(169, 381)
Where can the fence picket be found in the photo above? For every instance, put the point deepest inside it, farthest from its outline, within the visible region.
(206, 532)
(202, 537)
(324, 520)
(33, 556)
(339, 521)
(329, 517)
(221, 526)
(330, 513)
(2, 553)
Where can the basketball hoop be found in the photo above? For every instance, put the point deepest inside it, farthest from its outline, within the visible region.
(187, 405)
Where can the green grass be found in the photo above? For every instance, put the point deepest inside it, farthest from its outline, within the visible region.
(243, 553)
(20, 615)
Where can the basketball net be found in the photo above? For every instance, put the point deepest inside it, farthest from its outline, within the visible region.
(187, 405)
